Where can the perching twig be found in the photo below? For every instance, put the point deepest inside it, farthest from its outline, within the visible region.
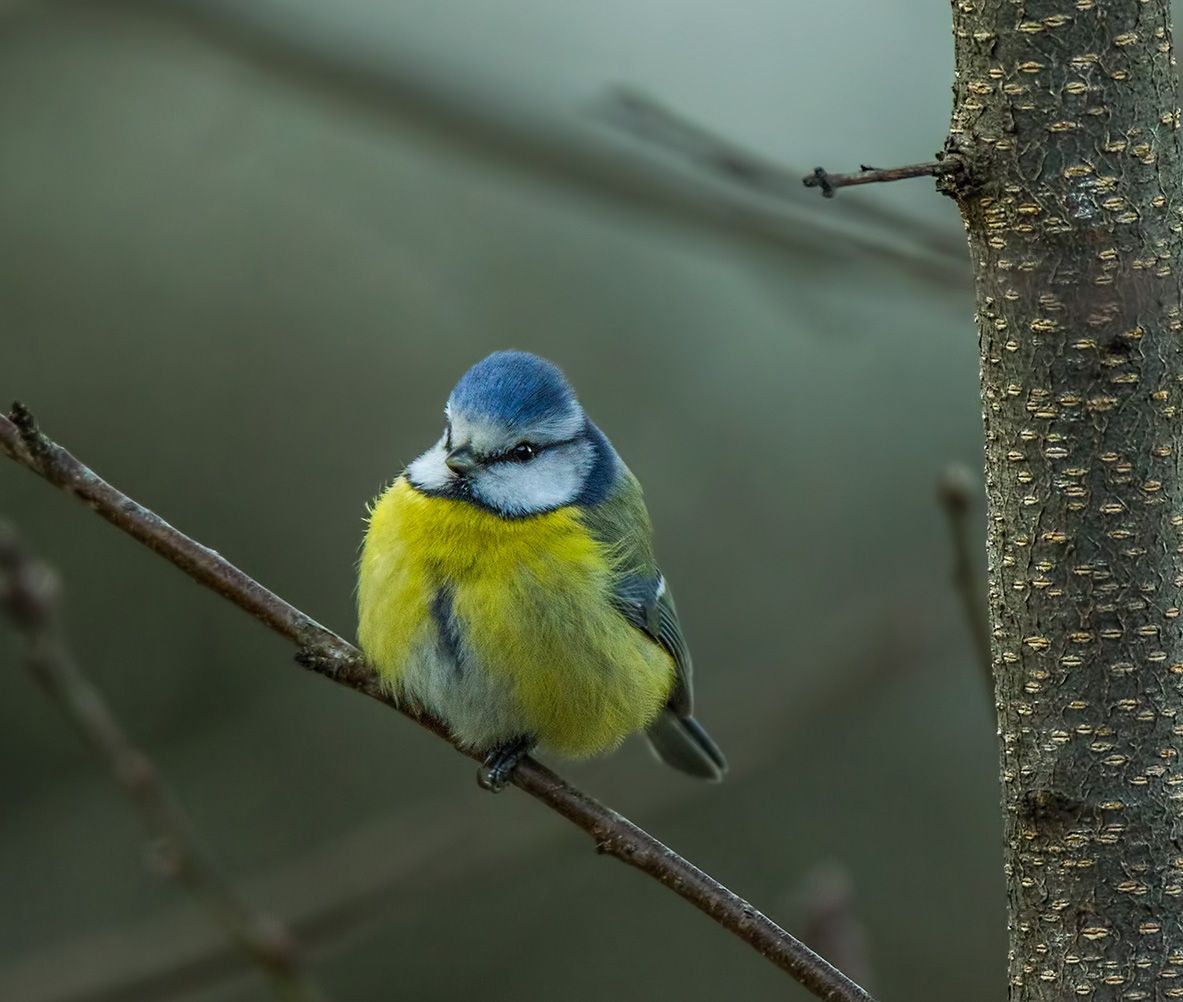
(324, 652)
(29, 594)
(821, 178)
(331, 893)
(956, 493)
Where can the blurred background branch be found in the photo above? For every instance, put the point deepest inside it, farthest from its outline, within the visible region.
(30, 595)
(826, 919)
(343, 889)
(956, 492)
(709, 182)
(328, 897)
(738, 169)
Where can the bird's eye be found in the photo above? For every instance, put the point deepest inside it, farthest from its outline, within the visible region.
(523, 452)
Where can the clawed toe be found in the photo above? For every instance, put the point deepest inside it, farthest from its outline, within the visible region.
(500, 764)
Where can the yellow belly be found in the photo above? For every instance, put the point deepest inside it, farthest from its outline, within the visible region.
(547, 655)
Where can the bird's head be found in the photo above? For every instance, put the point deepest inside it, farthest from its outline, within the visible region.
(516, 442)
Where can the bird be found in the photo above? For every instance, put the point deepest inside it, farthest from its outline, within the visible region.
(508, 586)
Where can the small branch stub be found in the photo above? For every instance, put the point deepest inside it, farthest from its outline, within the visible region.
(829, 183)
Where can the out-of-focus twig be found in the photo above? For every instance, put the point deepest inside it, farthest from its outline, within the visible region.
(565, 152)
(827, 921)
(334, 892)
(956, 492)
(389, 866)
(324, 652)
(724, 160)
(30, 595)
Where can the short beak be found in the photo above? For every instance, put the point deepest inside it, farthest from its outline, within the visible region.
(462, 461)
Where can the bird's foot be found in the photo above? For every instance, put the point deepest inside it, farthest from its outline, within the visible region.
(501, 762)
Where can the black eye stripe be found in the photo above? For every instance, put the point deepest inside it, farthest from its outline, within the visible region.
(508, 455)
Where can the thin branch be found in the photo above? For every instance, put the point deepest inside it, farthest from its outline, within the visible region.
(30, 595)
(956, 494)
(821, 178)
(333, 892)
(323, 651)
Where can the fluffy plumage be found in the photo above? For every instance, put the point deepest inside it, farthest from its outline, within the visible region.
(508, 584)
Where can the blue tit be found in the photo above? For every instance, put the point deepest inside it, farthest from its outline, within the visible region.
(508, 584)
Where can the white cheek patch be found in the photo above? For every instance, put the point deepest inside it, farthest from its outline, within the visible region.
(430, 471)
(552, 479)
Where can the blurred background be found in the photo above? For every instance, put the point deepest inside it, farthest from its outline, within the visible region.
(247, 248)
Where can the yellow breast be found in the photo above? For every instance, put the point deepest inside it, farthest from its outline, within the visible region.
(531, 598)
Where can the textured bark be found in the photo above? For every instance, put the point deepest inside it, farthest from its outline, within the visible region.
(1065, 117)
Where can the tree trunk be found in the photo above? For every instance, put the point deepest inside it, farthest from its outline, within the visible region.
(1066, 119)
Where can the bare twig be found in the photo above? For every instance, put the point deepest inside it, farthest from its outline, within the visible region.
(821, 178)
(956, 494)
(29, 594)
(323, 651)
(828, 920)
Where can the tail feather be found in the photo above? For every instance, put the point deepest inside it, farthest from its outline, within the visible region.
(681, 742)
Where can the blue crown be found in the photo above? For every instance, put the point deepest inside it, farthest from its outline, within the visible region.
(513, 387)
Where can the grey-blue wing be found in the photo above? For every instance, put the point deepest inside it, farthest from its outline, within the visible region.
(675, 735)
(646, 602)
